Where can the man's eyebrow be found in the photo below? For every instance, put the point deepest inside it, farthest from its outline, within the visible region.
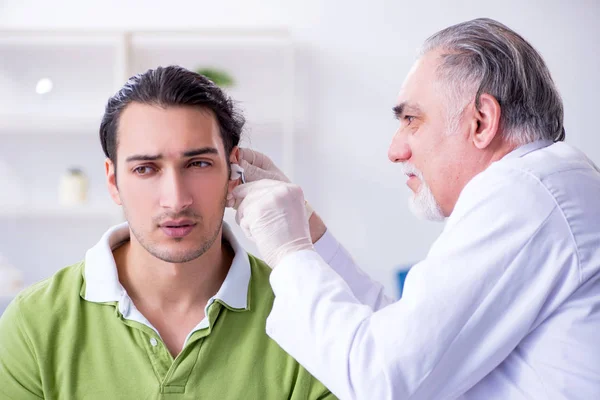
(200, 151)
(143, 157)
(186, 154)
(404, 107)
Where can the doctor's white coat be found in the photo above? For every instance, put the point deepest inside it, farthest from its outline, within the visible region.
(505, 306)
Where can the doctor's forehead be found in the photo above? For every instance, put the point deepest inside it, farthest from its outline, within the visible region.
(422, 84)
(424, 71)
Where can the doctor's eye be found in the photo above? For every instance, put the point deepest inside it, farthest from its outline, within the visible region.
(408, 119)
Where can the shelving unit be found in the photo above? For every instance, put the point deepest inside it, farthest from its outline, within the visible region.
(44, 132)
(17, 124)
(107, 212)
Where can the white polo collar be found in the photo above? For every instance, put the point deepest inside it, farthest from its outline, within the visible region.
(102, 280)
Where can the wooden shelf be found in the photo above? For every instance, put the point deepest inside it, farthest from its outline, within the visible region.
(211, 39)
(35, 125)
(58, 211)
(55, 39)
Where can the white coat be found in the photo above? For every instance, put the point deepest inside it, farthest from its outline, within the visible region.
(506, 305)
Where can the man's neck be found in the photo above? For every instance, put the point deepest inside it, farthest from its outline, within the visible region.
(160, 285)
(171, 296)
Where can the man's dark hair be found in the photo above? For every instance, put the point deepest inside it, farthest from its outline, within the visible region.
(171, 86)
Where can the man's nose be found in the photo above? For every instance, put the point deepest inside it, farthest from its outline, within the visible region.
(175, 195)
(399, 150)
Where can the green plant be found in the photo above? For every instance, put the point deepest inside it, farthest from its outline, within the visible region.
(218, 76)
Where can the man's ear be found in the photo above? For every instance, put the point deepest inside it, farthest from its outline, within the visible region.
(111, 181)
(487, 121)
(234, 158)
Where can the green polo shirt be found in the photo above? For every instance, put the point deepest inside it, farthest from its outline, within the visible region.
(78, 336)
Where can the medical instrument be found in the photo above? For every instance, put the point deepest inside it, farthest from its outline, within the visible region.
(237, 172)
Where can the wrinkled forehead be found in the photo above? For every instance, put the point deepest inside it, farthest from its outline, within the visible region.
(422, 79)
(424, 87)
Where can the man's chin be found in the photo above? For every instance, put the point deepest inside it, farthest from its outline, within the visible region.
(184, 249)
(178, 257)
(425, 211)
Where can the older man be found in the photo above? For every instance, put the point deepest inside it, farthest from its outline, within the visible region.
(507, 302)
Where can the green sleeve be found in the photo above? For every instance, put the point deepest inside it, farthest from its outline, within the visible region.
(19, 370)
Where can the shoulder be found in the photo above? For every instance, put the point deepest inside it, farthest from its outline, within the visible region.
(504, 190)
(33, 316)
(558, 159)
(260, 287)
(537, 181)
(508, 204)
(51, 297)
(259, 268)
(261, 300)
(542, 204)
(557, 181)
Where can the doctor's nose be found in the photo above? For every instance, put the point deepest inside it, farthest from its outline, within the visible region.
(399, 150)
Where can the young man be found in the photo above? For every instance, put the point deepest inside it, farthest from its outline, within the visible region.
(167, 305)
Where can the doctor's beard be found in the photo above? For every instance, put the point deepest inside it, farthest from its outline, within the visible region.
(422, 203)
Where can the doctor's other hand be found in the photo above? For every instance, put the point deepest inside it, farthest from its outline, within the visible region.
(273, 214)
(259, 166)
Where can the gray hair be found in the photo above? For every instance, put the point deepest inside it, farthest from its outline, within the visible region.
(485, 56)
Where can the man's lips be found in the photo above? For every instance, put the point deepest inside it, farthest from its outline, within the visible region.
(177, 229)
(177, 224)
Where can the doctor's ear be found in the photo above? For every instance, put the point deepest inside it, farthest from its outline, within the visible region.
(486, 122)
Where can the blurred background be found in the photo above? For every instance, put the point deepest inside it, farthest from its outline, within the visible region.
(316, 80)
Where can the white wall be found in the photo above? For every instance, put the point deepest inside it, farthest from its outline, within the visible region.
(351, 60)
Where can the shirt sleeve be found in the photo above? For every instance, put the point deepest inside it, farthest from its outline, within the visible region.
(505, 260)
(366, 291)
(19, 372)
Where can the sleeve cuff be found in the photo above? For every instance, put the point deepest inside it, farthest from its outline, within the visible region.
(327, 246)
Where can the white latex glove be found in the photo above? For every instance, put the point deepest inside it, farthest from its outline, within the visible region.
(258, 166)
(272, 214)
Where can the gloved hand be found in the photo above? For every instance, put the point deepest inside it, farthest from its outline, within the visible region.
(272, 213)
(258, 166)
